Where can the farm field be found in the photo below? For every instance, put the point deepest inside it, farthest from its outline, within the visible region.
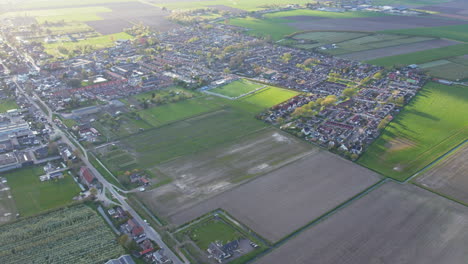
(33, 196)
(71, 235)
(78, 14)
(237, 88)
(204, 174)
(370, 24)
(174, 140)
(392, 224)
(448, 176)
(100, 42)
(6, 105)
(328, 37)
(424, 130)
(247, 5)
(457, 32)
(274, 28)
(422, 56)
(420, 44)
(450, 70)
(164, 114)
(38, 4)
(319, 182)
(8, 209)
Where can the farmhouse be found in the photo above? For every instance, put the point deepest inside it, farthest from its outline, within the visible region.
(87, 177)
(222, 252)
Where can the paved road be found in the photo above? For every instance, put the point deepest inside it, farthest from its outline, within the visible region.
(150, 232)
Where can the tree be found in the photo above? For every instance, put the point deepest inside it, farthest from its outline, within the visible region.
(93, 192)
(53, 149)
(384, 122)
(286, 57)
(329, 100)
(350, 92)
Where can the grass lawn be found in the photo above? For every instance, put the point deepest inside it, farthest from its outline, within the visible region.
(189, 136)
(168, 113)
(79, 14)
(33, 196)
(422, 56)
(432, 124)
(6, 105)
(100, 42)
(269, 97)
(237, 88)
(457, 32)
(203, 234)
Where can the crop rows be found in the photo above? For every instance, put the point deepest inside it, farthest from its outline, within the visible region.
(72, 235)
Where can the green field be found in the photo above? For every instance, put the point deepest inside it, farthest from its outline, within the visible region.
(247, 5)
(100, 42)
(269, 97)
(6, 105)
(316, 13)
(432, 124)
(212, 230)
(192, 135)
(422, 56)
(70, 235)
(33, 196)
(274, 28)
(33, 4)
(79, 14)
(408, 2)
(457, 32)
(237, 88)
(161, 115)
(326, 37)
(451, 71)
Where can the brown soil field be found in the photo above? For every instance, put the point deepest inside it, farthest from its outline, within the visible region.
(397, 50)
(374, 23)
(449, 176)
(394, 223)
(109, 26)
(202, 175)
(282, 201)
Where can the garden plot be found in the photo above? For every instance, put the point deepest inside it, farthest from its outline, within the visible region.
(449, 176)
(282, 201)
(202, 175)
(392, 224)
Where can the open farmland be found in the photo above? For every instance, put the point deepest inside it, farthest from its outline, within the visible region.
(398, 48)
(319, 182)
(247, 5)
(423, 131)
(457, 32)
(371, 24)
(185, 137)
(237, 88)
(207, 173)
(71, 235)
(41, 4)
(33, 196)
(8, 209)
(449, 176)
(422, 56)
(79, 14)
(452, 69)
(392, 224)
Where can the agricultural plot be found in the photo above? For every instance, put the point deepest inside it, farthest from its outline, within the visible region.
(286, 199)
(161, 115)
(448, 176)
(422, 56)
(33, 196)
(70, 235)
(423, 131)
(79, 14)
(237, 88)
(8, 209)
(6, 105)
(450, 70)
(204, 174)
(392, 224)
(372, 24)
(397, 47)
(324, 37)
(457, 32)
(189, 136)
(247, 5)
(41, 4)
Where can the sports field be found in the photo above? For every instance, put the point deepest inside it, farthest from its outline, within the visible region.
(237, 88)
(422, 56)
(33, 196)
(426, 128)
(269, 97)
(6, 105)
